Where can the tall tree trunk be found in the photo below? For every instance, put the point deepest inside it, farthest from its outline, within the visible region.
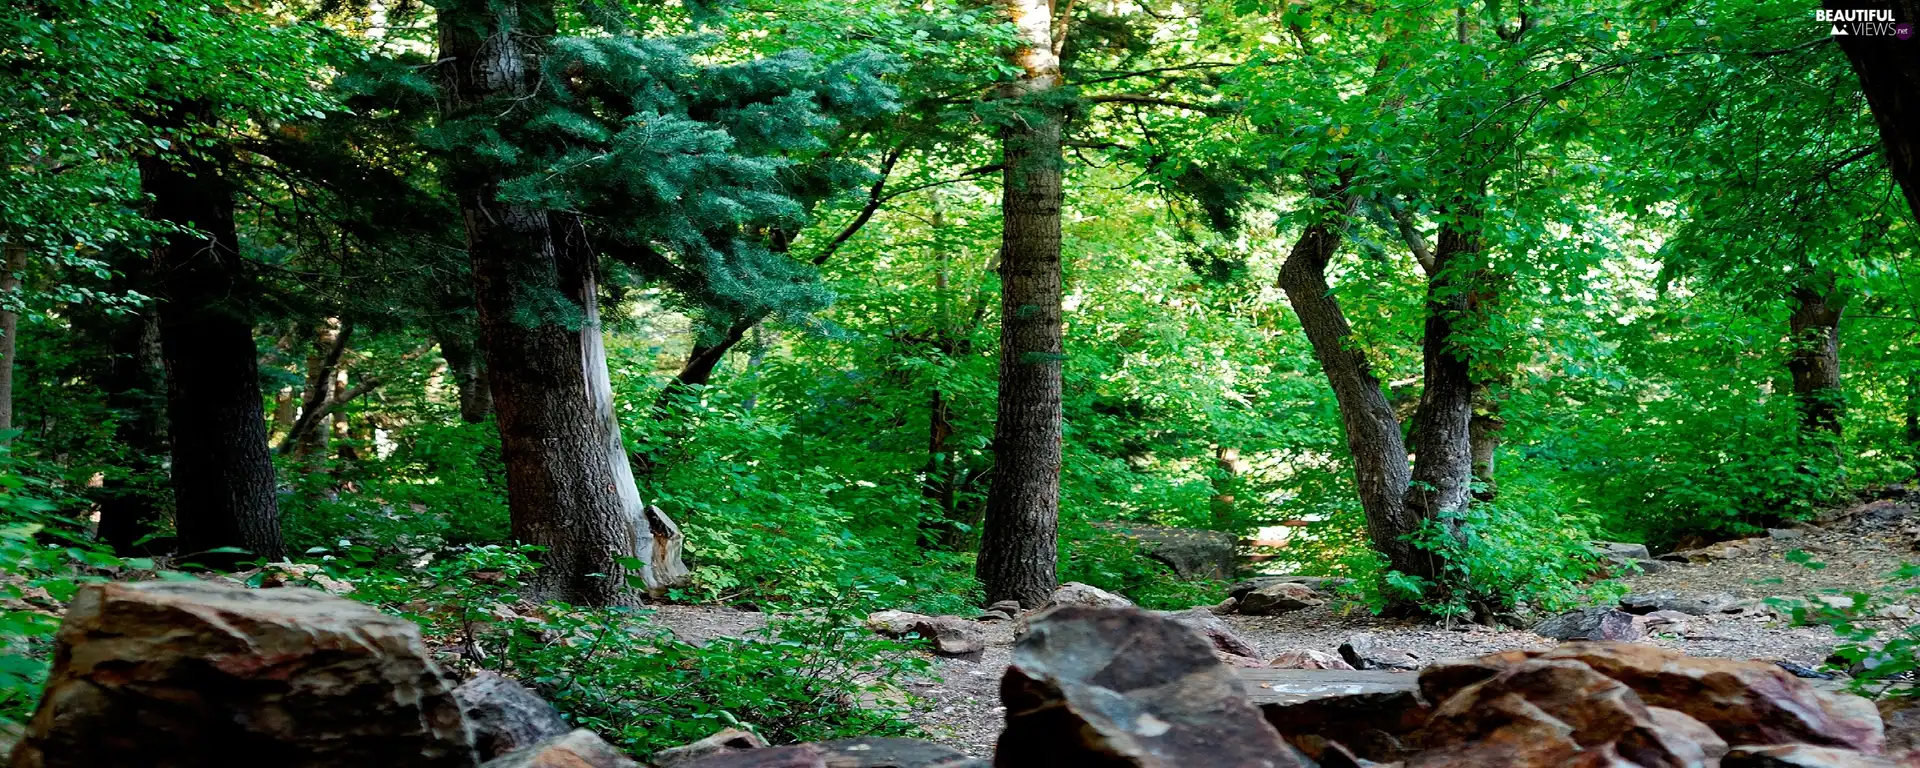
(569, 488)
(136, 394)
(11, 264)
(1889, 71)
(223, 476)
(1380, 470)
(1019, 540)
(325, 348)
(1815, 359)
(469, 375)
(1483, 434)
(1443, 457)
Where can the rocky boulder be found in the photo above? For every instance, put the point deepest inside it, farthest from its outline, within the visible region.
(1123, 687)
(1278, 598)
(1368, 652)
(949, 636)
(1800, 756)
(1191, 553)
(1569, 698)
(196, 673)
(724, 741)
(575, 749)
(1076, 594)
(1596, 623)
(1321, 584)
(1217, 632)
(1302, 658)
(505, 716)
(1668, 600)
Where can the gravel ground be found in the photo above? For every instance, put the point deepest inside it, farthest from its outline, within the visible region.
(962, 708)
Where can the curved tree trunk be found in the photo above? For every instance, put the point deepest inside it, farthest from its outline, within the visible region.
(1380, 470)
(1889, 71)
(568, 486)
(1019, 538)
(1441, 484)
(1815, 359)
(469, 375)
(223, 477)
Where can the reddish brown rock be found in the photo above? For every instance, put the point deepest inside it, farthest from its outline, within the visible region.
(1373, 725)
(1597, 711)
(1686, 727)
(177, 674)
(1279, 598)
(576, 749)
(1443, 679)
(1746, 702)
(1122, 687)
(1526, 738)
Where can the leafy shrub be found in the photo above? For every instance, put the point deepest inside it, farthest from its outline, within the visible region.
(44, 557)
(1880, 648)
(1114, 563)
(819, 675)
(442, 484)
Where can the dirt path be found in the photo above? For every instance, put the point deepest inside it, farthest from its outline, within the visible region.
(962, 708)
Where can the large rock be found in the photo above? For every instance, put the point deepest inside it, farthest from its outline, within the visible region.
(1191, 553)
(1746, 702)
(505, 716)
(1217, 632)
(1667, 600)
(169, 674)
(1373, 722)
(723, 741)
(1074, 593)
(1598, 712)
(844, 753)
(1306, 658)
(1122, 687)
(1278, 598)
(1365, 651)
(948, 635)
(1597, 623)
(1321, 584)
(575, 749)
(1526, 738)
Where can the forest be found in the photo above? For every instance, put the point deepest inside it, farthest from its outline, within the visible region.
(812, 308)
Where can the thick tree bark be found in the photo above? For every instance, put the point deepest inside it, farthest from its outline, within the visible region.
(1913, 419)
(11, 264)
(1380, 470)
(1483, 434)
(1019, 538)
(1889, 70)
(223, 477)
(469, 375)
(1443, 456)
(569, 488)
(136, 393)
(1814, 328)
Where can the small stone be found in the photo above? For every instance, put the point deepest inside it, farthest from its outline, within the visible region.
(1008, 607)
(1368, 652)
(1620, 550)
(1651, 566)
(992, 616)
(1321, 584)
(1668, 600)
(1785, 534)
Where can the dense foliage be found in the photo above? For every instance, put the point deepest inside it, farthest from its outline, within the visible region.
(1659, 240)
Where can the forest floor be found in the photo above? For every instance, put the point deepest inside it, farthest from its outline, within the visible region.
(961, 708)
